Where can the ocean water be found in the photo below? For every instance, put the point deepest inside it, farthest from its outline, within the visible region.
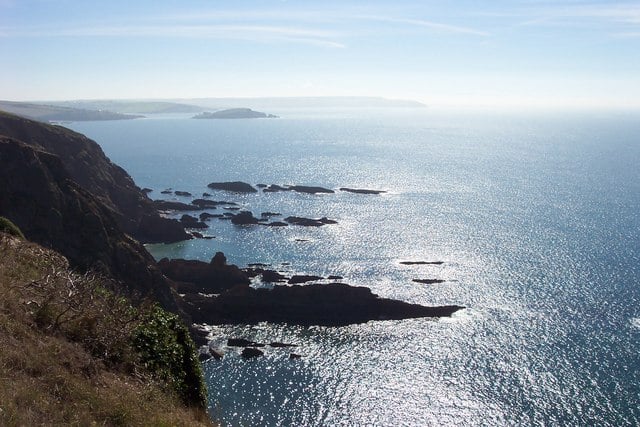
(535, 216)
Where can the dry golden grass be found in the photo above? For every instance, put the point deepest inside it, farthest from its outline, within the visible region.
(46, 378)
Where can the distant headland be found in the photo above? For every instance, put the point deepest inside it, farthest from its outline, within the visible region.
(235, 113)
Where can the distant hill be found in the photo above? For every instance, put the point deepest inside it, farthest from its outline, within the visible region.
(235, 113)
(302, 102)
(131, 106)
(47, 113)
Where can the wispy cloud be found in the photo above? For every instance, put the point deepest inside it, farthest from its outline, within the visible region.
(434, 26)
(263, 33)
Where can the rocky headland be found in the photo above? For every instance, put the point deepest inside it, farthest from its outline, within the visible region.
(235, 113)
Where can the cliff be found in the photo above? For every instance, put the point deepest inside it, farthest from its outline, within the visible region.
(88, 166)
(38, 194)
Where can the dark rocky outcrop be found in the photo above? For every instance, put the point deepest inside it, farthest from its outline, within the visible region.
(210, 204)
(242, 342)
(429, 281)
(421, 262)
(294, 356)
(244, 218)
(182, 193)
(309, 222)
(320, 304)
(302, 279)
(212, 277)
(168, 205)
(192, 222)
(89, 167)
(154, 227)
(361, 191)
(281, 345)
(277, 224)
(250, 353)
(39, 196)
(234, 186)
(310, 190)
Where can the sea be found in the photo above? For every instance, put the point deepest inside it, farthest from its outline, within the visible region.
(535, 216)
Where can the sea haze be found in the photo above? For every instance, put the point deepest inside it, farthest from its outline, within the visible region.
(536, 217)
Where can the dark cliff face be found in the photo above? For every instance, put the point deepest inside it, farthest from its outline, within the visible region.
(87, 165)
(38, 194)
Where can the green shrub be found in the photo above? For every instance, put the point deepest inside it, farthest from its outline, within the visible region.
(166, 349)
(9, 227)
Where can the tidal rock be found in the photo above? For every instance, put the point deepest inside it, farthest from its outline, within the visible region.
(302, 279)
(250, 353)
(281, 345)
(362, 191)
(157, 229)
(166, 192)
(277, 224)
(232, 208)
(167, 205)
(203, 277)
(334, 277)
(240, 342)
(331, 304)
(235, 187)
(146, 190)
(203, 357)
(261, 185)
(192, 222)
(197, 235)
(206, 195)
(204, 203)
(309, 222)
(293, 356)
(244, 218)
(274, 188)
(206, 215)
(421, 262)
(429, 281)
(310, 190)
(216, 354)
(271, 276)
(269, 214)
(182, 193)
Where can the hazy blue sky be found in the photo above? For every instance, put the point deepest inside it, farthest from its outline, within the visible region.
(551, 53)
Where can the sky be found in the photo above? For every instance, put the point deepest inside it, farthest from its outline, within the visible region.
(493, 53)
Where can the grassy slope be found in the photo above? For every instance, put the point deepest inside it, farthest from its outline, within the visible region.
(51, 375)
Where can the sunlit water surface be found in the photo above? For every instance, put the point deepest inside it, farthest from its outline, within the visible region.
(537, 220)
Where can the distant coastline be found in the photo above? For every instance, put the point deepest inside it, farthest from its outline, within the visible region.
(235, 113)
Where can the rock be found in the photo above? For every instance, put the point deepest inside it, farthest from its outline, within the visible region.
(334, 277)
(216, 354)
(235, 186)
(244, 218)
(293, 356)
(309, 222)
(277, 224)
(332, 304)
(429, 281)
(281, 345)
(362, 191)
(182, 193)
(249, 353)
(166, 192)
(203, 357)
(197, 235)
(269, 214)
(167, 205)
(271, 276)
(219, 260)
(146, 190)
(302, 279)
(261, 185)
(206, 195)
(274, 188)
(421, 262)
(157, 229)
(206, 215)
(204, 203)
(232, 208)
(191, 222)
(310, 190)
(204, 277)
(240, 342)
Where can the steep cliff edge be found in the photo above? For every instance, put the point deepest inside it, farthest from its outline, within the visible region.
(87, 165)
(39, 196)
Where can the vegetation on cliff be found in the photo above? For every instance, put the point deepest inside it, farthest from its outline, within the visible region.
(76, 352)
